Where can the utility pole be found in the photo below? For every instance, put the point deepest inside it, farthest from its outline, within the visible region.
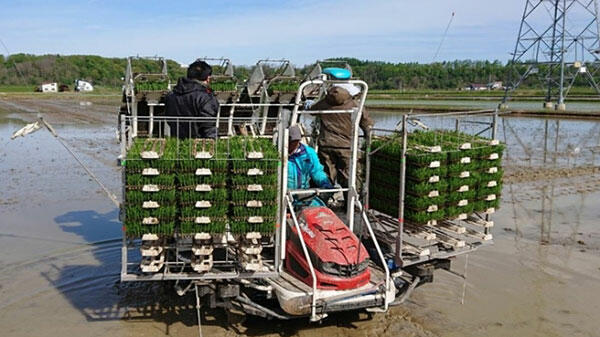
(558, 45)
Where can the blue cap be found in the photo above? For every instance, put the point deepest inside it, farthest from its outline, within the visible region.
(338, 73)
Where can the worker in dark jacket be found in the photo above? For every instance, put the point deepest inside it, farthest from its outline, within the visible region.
(192, 97)
(336, 131)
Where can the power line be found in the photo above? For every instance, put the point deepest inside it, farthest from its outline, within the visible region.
(14, 63)
(437, 52)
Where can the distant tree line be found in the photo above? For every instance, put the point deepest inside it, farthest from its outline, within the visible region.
(25, 69)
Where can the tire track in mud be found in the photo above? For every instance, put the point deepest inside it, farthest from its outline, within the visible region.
(519, 174)
(62, 111)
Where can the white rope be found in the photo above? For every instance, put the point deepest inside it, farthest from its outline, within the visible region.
(464, 287)
(112, 197)
(30, 128)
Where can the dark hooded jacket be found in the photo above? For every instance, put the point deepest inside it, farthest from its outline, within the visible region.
(191, 98)
(336, 129)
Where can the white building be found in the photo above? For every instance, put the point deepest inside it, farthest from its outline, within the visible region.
(496, 85)
(49, 87)
(83, 86)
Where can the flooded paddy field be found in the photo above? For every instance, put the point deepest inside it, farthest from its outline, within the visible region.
(60, 248)
(534, 106)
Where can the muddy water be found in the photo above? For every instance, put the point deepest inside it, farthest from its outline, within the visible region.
(60, 257)
(487, 104)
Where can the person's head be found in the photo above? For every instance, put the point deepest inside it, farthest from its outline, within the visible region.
(200, 71)
(294, 138)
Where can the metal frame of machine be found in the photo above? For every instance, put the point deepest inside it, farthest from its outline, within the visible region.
(130, 98)
(227, 283)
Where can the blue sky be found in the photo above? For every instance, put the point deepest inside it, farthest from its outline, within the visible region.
(245, 31)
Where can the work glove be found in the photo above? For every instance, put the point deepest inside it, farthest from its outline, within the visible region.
(326, 196)
(308, 103)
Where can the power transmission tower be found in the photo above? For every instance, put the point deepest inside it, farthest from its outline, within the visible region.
(558, 46)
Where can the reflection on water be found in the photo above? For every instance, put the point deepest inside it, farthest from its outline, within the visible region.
(491, 104)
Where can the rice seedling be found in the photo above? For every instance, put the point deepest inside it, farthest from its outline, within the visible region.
(136, 229)
(242, 196)
(216, 225)
(217, 210)
(486, 151)
(135, 213)
(455, 183)
(486, 163)
(484, 205)
(223, 86)
(156, 85)
(424, 173)
(265, 228)
(422, 217)
(167, 156)
(166, 181)
(283, 86)
(196, 149)
(484, 176)
(455, 170)
(383, 181)
(162, 197)
(483, 191)
(264, 211)
(218, 166)
(243, 166)
(421, 159)
(424, 188)
(454, 198)
(384, 205)
(214, 180)
(458, 155)
(241, 147)
(245, 180)
(422, 203)
(453, 211)
(188, 197)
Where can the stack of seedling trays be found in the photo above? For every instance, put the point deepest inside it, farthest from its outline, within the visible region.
(385, 176)
(426, 185)
(489, 174)
(283, 90)
(151, 88)
(425, 188)
(203, 196)
(150, 197)
(253, 185)
(203, 186)
(225, 89)
(449, 175)
(460, 174)
(253, 195)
